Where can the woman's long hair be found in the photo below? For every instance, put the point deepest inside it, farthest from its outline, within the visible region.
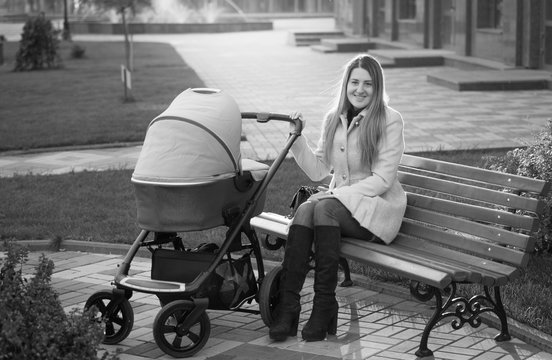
(372, 126)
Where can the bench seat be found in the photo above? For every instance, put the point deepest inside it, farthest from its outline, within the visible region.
(463, 225)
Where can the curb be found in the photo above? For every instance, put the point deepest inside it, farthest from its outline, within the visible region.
(521, 331)
(70, 148)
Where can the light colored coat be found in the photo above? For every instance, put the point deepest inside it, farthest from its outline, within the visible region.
(373, 195)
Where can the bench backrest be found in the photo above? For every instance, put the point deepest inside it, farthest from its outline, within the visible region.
(481, 212)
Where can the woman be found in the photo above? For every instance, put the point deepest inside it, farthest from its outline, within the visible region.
(361, 145)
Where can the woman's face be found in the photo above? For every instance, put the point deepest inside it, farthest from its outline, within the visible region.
(359, 88)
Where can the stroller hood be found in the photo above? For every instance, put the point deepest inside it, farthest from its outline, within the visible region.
(195, 140)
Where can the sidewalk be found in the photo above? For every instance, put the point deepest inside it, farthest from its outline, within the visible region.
(263, 73)
(376, 321)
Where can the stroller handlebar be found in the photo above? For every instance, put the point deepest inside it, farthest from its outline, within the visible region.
(264, 117)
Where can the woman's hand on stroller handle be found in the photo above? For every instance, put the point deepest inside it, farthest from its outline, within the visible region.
(297, 120)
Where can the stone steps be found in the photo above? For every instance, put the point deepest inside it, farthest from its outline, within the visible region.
(308, 38)
(411, 57)
(349, 44)
(460, 73)
(492, 80)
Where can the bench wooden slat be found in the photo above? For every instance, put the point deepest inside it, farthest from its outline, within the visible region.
(470, 192)
(398, 266)
(494, 273)
(457, 272)
(277, 225)
(465, 268)
(488, 176)
(463, 243)
(477, 275)
(496, 234)
(478, 213)
(268, 226)
(275, 217)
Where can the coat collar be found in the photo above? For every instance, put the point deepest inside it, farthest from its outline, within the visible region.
(355, 122)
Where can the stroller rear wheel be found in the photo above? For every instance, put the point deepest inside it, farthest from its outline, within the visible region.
(278, 243)
(269, 294)
(118, 320)
(173, 336)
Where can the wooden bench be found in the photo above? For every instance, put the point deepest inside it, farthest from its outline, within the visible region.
(463, 225)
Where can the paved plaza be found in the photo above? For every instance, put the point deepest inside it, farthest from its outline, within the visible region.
(263, 73)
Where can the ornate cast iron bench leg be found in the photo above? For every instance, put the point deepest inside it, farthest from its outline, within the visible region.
(501, 313)
(425, 293)
(465, 310)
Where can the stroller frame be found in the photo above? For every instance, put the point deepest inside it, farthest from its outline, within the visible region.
(186, 317)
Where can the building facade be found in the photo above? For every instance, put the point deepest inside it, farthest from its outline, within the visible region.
(513, 32)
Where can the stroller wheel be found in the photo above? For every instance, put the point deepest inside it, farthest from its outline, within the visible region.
(269, 294)
(118, 321)
(278, 243)
(173, 337)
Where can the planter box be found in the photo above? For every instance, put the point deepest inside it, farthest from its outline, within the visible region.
(169, 28)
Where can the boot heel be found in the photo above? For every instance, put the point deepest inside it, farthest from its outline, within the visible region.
(332, 325)
(293, 327)
(283, 328)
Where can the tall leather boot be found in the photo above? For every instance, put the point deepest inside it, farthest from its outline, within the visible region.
(295, 269)
(323, 319)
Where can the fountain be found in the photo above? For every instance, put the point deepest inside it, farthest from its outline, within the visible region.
(172, 16)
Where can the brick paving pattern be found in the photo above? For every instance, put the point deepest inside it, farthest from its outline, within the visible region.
(372, 324)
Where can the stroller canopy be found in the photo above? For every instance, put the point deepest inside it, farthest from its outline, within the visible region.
(195, 140)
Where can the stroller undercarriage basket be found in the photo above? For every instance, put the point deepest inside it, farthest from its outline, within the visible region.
(228, 287)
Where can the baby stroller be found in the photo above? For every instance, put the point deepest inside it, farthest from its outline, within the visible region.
(190, 177)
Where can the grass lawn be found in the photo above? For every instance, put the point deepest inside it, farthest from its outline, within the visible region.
(83, 102)
(96, 206)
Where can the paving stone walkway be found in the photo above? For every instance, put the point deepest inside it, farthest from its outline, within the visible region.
(375, 322)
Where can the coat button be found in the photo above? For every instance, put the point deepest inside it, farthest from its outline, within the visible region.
(344, 177)
(342, 148)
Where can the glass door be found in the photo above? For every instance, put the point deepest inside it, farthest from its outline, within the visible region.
(546, 36)
(448, 30)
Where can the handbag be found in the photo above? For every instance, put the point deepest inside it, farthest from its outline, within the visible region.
(300, 197)
(232, 283)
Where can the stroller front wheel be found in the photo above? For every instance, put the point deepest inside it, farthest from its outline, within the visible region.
(171, 334)
(116, 314)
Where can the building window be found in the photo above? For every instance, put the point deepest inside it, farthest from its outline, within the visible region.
(407, 9)
(489, 14)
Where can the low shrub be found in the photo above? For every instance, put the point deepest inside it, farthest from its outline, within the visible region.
(534, 160)
(33, 324)
(38, 47)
